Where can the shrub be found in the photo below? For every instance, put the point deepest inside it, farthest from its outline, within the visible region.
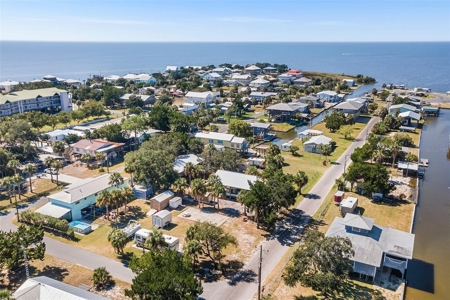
(101, 170)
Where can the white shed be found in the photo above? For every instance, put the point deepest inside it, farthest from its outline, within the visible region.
(162, 218)
(255, 161)
(348, 205)
(286, 146)
(175, 202)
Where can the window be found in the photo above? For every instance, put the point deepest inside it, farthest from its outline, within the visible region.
(78, 202)
(220, 142)
(211, 141)
(232, 145)
(78, 149)
(356, 229)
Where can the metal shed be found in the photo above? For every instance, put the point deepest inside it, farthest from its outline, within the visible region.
(348, 205)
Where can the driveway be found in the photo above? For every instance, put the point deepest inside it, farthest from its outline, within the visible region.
(245, 285)
(71, 253)
(61, 177)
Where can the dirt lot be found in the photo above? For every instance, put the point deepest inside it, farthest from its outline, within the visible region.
(71, 274)
(203, 215)
(79, 170)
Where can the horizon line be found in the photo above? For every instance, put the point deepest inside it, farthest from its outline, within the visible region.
(211, 42)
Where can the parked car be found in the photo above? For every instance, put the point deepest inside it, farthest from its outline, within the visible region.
(51, 171)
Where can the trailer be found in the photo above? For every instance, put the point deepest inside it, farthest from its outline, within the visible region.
(141, 236)
(175, 202)
(161, 219)
(348, 205)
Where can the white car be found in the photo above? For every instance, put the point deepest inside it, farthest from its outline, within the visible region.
(51, 171)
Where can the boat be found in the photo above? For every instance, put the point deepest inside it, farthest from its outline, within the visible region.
(132, 227)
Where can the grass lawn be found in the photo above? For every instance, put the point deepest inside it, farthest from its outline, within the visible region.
(40, 187)
(281, 127)
(322, 75)
(69, 273)
(316, 111)
(311, 163)
(415, 136)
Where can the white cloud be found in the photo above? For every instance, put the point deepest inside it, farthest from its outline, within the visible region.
(252, 20)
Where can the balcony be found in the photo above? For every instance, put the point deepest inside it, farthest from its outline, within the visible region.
(397, 264)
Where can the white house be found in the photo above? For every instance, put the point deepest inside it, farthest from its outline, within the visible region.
(112, 78)
(45, 288)
(76, 199)
(199, 97)
(244, 79)
(223, 140)
(312, 145)
(328, 96)
(350, 82)
(182, 160)
(253, 70)
(8, 85)
(172, 69)
(148, 99)
(235, 182)
(61, 134)
(222, 71)
(145, 78)
(188, 108)
(285, 78)
(302, 81)
(259, 83)
(270, 70)
(130, 76)
(212, 77)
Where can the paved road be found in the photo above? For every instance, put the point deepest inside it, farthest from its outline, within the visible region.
(71, 253)
(287, 232)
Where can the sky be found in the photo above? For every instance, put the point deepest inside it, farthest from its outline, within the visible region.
(222, 21)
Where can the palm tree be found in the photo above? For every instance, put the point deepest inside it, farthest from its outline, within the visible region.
(198, 189)
(17, 179)
(301, 179)
(189, 170)
(155, 240)
(179, 186)
(118, 240)
(30, 169)
(252, 170)
(58, 147)
(240, 198)
(13, 164)
(128, 195)
(87, 157)
(325, 150)
(5, 295)
(104, 199)
(118, 200)
(395, 148)
(278, 160)
(100, 156)
(215, 187)
(199, 171)
(192, 249)
(115, 179)
(8, 182)
(57, 165)
(101, 277)
(48, 162)
(379, 155)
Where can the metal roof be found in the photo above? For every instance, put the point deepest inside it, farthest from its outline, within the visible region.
(352, 105)
(45, 288)
(53, 210)
(410, 114)
(163, 196)
(181, 161)
(162, 214)
(236, 180)
(29, 94)
(358, 221)
(293, 106)
(261, 125)
(318, 139)
(215, 136)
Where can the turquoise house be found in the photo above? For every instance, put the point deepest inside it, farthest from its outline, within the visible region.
(75, 200)
(402, 108)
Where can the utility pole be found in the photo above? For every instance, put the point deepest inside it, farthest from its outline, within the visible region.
(259, 272)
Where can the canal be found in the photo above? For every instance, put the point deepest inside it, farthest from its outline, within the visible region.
(429, 272)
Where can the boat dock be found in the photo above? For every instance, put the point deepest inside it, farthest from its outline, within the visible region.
(423, 162)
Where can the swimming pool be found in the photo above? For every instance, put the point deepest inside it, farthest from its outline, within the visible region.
(80, 227)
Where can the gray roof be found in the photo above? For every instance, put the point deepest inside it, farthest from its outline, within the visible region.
(236, 180)
(406, 106)
(293, 106)
(162, 214)
(318, 140)
(370, 245)
(410, 114)
(309, 97)
(163, 196)
(45, 288)
(352, 105)
(261, 125)
(358, 221)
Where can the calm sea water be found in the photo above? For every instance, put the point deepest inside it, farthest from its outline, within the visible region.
(413, 64)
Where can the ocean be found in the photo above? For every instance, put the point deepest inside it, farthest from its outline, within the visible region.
(423, 64)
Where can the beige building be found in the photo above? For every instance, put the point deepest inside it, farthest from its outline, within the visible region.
(223, 140)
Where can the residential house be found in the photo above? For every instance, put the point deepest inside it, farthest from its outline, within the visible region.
(145, 78)
(261, 129)
(172, 69)
(302, 81)
(235, 182)
(112, 78)
(350, 82)
(51, 78)
(261, 96)
(222, 71)
(328, 96)
(253, 70)
(351, 107)
(142, 136)
(285, 78)
(270, 70)
(45, 288)
(182, 160)
(408, 116)
(48, 99)
(316, 102)
(130, 76)
(212, 77)
(77, 199)
(61, 134)
(199, 97)
(148, 99)
(8, 85)
(312, 145)
(259, 83)
(73, 82)
(376, 248)
(143, 90)
(244, 79)
(225, 140)
(294, 73)
(401, 108)
(188, 108)
(93, 146)
(285, 111)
